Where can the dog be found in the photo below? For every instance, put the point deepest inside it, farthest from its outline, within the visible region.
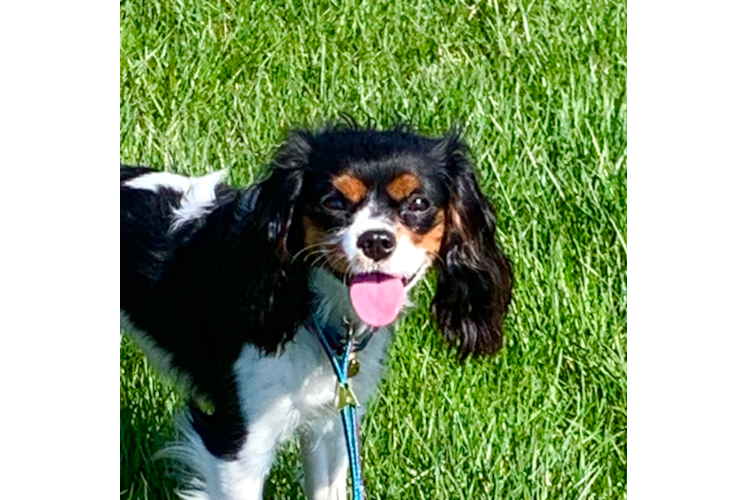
(219, 285)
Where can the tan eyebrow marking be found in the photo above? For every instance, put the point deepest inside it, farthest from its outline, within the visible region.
(403, 186)
(351, 187)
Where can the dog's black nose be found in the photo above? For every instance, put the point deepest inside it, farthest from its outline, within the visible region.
(377, 244)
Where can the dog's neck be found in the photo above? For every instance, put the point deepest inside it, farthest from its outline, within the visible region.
(332, 303)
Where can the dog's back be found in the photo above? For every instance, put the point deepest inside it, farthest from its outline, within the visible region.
(166, 272)
(145, 245)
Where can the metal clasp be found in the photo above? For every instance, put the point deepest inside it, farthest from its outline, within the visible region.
(345, 396)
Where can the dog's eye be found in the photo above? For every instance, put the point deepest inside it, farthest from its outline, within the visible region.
(418, 204)
(334, 203)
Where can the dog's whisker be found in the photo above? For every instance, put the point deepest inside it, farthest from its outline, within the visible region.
(307, 249)
(321, 256)
(313, 253)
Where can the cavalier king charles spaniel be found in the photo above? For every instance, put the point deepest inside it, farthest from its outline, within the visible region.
(219, 285)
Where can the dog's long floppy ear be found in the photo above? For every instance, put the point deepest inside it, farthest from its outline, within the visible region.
(474, 285)
(267, 233)
(278, 196)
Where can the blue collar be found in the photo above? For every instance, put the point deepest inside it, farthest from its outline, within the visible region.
(338, 338)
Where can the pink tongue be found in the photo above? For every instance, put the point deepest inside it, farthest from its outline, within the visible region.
(377, 298)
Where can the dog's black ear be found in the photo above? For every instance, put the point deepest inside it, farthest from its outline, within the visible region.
(267, 233)
(474, 285)
(278, 197)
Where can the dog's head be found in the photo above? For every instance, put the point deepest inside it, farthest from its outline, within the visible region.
(377, 209)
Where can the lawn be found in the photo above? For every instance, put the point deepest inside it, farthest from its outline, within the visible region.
(539, 89)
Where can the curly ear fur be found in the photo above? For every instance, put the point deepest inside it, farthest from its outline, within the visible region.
(474, 286)
(267, 233)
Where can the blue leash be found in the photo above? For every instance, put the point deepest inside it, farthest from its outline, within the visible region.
(347, 403)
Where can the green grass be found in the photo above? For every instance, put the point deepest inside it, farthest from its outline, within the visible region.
(540, 90)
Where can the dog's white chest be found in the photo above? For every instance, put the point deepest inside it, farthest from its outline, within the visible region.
(298, 386)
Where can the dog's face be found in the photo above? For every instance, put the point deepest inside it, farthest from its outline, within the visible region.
(377, 223)
(378, 209)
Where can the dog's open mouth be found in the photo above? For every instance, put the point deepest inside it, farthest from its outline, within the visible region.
(378, 298)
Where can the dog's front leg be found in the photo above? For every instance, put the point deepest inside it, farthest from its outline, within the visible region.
(270, 419)
(243, 477)
(325, 459)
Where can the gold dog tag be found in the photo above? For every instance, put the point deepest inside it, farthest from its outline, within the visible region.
(353, 366)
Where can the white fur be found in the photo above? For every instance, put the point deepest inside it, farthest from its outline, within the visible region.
(157, 180)
(363, 221)
(198, 199)
(289, 393)
(198, 193)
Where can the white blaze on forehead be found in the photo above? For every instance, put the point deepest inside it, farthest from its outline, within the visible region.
(363, 221)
